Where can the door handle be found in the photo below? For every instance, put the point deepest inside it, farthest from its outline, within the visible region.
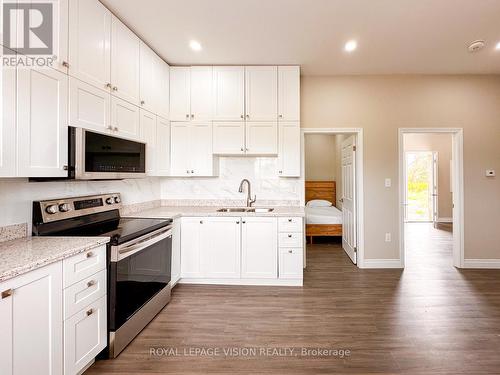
(7, 293)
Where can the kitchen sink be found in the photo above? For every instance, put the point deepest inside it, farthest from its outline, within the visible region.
(260, 210)
(232, 210)
(246, 209)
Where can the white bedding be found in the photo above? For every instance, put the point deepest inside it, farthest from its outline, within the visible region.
(323, 215)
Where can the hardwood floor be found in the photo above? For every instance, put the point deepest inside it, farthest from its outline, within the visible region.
(428, 319)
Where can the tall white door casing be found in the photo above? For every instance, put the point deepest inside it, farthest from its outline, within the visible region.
(149, 136)
(261, 93)
(259, 248)
(229, 93)
(201, 93)
(162, 146)
(180, 93)
(289, 149)
(289, 93)
(349, 225)
(7, 122)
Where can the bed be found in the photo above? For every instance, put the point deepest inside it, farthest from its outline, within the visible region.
(322, 220)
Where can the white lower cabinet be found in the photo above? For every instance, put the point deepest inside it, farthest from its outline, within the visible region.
(259, 248)
(191, 248)
(291, 247)
(291, 266)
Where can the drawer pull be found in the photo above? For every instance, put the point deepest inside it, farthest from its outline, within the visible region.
(289, 220)
(289, 236)
(7, 293)
(90, 312)
(290, 251)
(90, 254)
(244, 222)
(91, 283)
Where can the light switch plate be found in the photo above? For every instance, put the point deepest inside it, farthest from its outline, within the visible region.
(490, 173)
(388, 182)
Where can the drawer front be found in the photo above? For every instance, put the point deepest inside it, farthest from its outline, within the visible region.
(290, 239)
(83, 293)
(290, 224)
(291, 266)
(84, 336)
(83, 265)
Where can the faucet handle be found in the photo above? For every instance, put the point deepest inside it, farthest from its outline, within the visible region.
(254, 199)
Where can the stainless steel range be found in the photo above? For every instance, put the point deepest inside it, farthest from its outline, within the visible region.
(139, 257)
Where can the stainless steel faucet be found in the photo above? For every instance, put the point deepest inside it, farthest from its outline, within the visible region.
(250, 201)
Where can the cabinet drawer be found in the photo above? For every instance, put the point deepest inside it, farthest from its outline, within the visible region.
(83, 265)
(83, 293)
(290, 239)
(290, 266)
(290, 224)
(84, 336)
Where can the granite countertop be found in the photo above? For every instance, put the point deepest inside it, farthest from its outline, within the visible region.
(173, 212)
(27, 254)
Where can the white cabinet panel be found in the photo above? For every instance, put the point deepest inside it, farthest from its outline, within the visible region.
(289, 149)
(162, 87)
(259, 252)
(90, 42)
(290, 263)
(220, 237)
(7, 122)
(84, 292)
(162, 146)
(89, 107)
(201, 93)
(176, 252)
(290, 224)
(201, 156)
(289, 93)
(180, 150)
(229, 93)
(261, 93)
(191, 251)
(42, 113)
(125, 62)
(149, 136)
(180, 93)
(262, 138)
(83, 265)
(229, 138)
(125, 118)
(147, 79)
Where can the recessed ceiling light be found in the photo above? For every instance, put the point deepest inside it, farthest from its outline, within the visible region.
(195, 46)
(498, 46)
(351, 46)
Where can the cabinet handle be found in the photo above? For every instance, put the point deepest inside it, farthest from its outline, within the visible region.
(108, 85)
(192, 116)
(244, 222)
(90, 254)
(290, 251)
(201, 221)
(280, 172)
(65, 64)
(192, 171)
(109, 127)
(90, 283)
(289, 220)
(90, 312)
(289, 236)
(115, 128)
(246, 149)
(242, 116)
(143, 102)
(248, 116)
(115, 88)
(187, 116)
(65, 167)
(237, 222)
(7, 293)
(242, 149)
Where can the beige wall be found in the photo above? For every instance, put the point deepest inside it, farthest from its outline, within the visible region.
(382, 104)
(442, 144)
(320, 157)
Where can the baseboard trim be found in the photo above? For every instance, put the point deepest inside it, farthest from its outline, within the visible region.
(482, 263)
(268, 282)
(445, 220)
(382, 263)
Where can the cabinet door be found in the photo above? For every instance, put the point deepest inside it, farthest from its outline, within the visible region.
(125, 119)
(289, 149)
(190, 247)
(259, 250)
(180, 93)
(147, 79)
(42, 112)
(221, 240)
(89, 42)
(89, 107)
(34, 313)
(162, 147)
(162, 87)
(180, 153)
(201, 93)
(7, 122)
(202, 161)
(229, 93)
(289, 93)
(261, 93)
(148, 136)
(176, 252)
(125, 62)
(290, 263)
(229, 138)
(262, 138)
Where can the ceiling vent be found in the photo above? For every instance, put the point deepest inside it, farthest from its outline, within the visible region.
(476, 46)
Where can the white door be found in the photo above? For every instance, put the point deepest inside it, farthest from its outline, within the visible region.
(259, 248)
(180, 93)
(180, 153)
(202, 162)
(89, 107)
(190, 247)
(229, 138)
(162, 146)
(42, 115)
(261, 138)
(349, 237)
(289, 149)
(32, 316)
(162, 87)
(261, 93)
(289, 93)
(7, 122)
(201, 93)
(435, 187)
(125, 62)
(125, 119)
(149, 136)
(147, 78)
(221, 253)
(229, 93)
(176, 252)
(90, 42)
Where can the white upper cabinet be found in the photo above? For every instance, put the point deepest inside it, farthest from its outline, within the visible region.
(229, 93)
(289, 149)
(180, 93)
(125, 119)
(261, 93)
(289, 93)
(42, 115)
(90, 42)
(162, 146)
(149, 136)
(179, 149)
(7, 122)
(60, 34)
(147, 79)
(125, 62)
(229, 138)
(259, 251)
(262, 138)
(201, 93)
(161, 75)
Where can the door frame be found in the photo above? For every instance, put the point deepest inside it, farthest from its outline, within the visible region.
(458, 190)
(360, 212)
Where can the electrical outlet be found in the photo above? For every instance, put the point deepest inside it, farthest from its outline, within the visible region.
(388, 182)
(388, 237)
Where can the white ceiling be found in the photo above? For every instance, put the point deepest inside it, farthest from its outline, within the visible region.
(394, 36)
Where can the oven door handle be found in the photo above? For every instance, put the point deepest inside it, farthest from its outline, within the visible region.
(126, 251)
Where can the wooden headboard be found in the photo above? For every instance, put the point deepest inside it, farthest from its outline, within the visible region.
(321, 190)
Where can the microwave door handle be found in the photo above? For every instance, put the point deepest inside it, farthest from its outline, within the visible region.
(132, 249)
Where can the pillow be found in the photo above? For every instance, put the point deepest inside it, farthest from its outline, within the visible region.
(319, 203)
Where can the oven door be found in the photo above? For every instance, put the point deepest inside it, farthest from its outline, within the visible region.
(101, 156)
(139, 270)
